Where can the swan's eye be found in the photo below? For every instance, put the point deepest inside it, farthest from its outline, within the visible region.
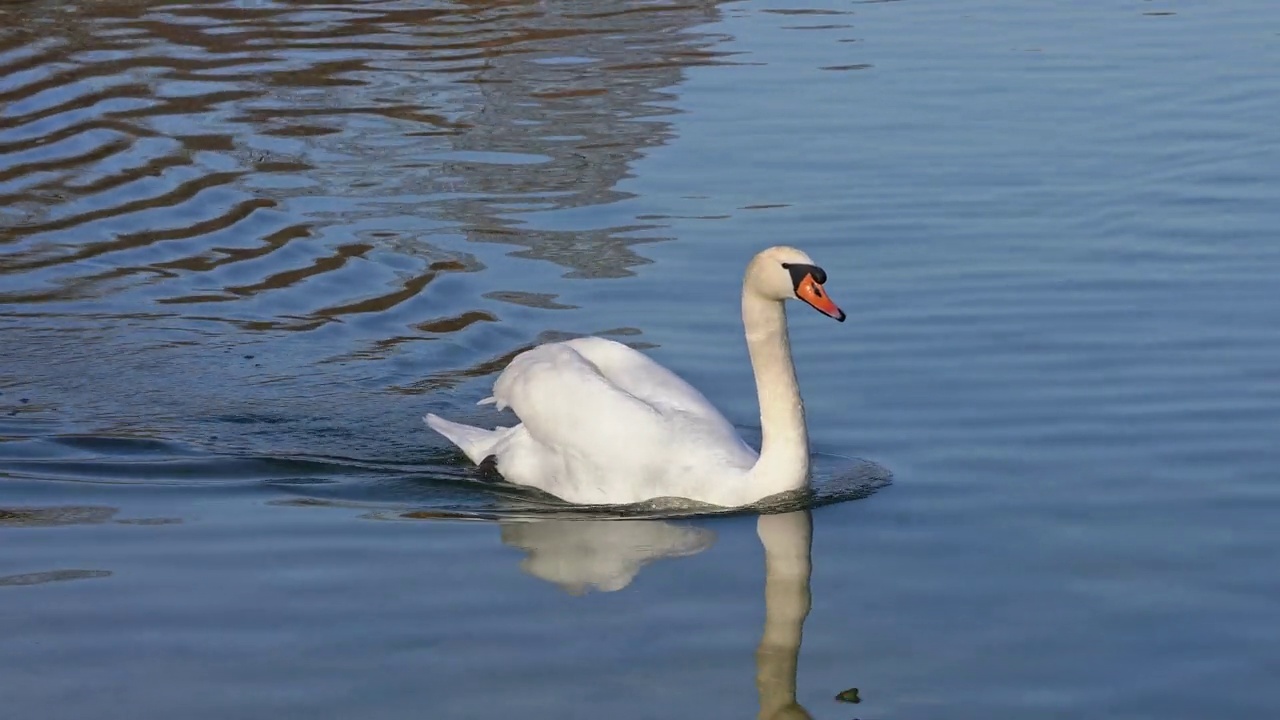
(805, 276)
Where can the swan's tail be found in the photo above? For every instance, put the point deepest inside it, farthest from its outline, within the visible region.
(476, 443)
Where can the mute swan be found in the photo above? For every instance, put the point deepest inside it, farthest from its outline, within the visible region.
(603, 424)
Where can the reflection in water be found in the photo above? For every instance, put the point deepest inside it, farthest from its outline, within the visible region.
(575, 554)
(178, 181)
(152, 139)
(787, 540)
(605, 554)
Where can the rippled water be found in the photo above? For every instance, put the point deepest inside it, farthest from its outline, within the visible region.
(245, 246)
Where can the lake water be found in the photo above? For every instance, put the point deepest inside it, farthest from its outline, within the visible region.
(245, 246)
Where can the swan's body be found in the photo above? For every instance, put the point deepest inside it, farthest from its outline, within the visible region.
(604, 424)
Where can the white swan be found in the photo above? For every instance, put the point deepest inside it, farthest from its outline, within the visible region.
(603, 424)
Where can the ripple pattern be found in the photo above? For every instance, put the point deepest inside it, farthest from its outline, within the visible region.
(177, 172)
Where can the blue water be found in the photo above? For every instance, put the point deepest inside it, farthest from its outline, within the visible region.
(245, 246)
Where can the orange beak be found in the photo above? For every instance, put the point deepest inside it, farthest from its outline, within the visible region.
(811, 291)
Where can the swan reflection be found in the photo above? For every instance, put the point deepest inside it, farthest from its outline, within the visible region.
(578, 555)
(787, 540)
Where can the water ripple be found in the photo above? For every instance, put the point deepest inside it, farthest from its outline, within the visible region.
(192, 180)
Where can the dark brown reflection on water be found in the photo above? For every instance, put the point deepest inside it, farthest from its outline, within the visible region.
(178, 173)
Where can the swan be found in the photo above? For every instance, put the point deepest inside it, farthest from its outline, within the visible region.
(603, 424)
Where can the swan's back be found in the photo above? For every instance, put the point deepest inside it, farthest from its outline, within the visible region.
(601, 422)
(642, 377)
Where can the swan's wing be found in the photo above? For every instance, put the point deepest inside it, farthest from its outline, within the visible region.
(569, 407)
(642, 377)
(623, 430)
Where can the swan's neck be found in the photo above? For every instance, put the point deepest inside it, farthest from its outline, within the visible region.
(784, 451)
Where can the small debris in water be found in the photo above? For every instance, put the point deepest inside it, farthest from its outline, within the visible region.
(849, 696)
(53, 516)
(248, 357)
(150, 521)
(24, 401)
(38, 578)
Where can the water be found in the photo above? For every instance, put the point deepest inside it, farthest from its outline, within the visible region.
(244, 246)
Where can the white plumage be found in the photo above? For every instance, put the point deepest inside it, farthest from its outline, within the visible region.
(601, 423)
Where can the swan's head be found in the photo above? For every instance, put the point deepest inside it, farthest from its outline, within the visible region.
(785, 273)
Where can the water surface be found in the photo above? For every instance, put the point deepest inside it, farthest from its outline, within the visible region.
(245, 246)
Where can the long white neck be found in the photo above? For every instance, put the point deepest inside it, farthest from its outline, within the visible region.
(784, 451)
